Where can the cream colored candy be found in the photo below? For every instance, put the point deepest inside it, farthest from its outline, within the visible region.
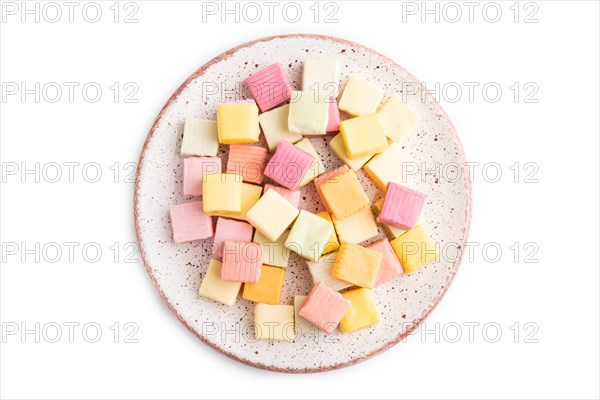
(215, 288)
(338, 147)
(274, 125)
(302, 325)
(200, 138)
(363, 136)
(271, 215)
(250, 195)
(274, 322)
(356, 228)
(274, 252)
(316, 168)
(308, 115)
(321, 77)
(320, 271)
(389, 166)
(309, 235)
(360, 97)
(398, 119)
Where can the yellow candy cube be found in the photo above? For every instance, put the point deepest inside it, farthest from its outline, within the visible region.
(414, 249)
(362, 312)
(388, 166)
(363, 136)
(268, 288)
(274, 322)
(238, 123)
(398, 119)
(250, 195)
(360, 97)
(222, 194)
(332, 244)
(357, 265)
(356, 228)
(344, 195)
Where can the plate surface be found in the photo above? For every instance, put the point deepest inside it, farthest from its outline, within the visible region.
(177, 269)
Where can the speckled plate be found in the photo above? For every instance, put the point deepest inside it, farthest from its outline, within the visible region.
(177, 269)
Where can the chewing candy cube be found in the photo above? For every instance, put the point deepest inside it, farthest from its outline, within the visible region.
(398, 119)
(222, 194)
(324, 307)
(268, 288)
(320, 271)
(274, 322)
(388, 166)
(308, 114)
(414, 249)
(339, 148)
(321, 77)
(269, 87)
(308, 235)
(401, 206)
(344, 195)
(325, 177)
(360, 97)
(242, 261)
(215, 288)
(189, 222)
(363, 136)
(316, 168)
(274, 252)
(238, 123)
(248, 161)
(200, 138)
(332, 244)
(289, 165)
(362, 312)
(357, 227)
(357, 265)
(274, 125)
(390, 265)
(272, 215)
(293, 196)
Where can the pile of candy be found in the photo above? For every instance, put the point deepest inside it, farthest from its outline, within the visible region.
(258, 226)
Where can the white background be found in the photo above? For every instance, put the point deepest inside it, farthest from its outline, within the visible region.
(559, 133)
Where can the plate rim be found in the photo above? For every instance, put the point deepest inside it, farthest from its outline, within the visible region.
(398, 338)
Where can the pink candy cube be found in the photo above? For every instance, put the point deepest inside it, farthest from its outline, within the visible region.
(401, 206)
(194, 169)
(324, 307)
(249, 161)
(229, 229)
(325, 176)
(333, 125)
(269, 87)
(293, 196)
(242, 261)
(189, 222)
(390, 266)
(288, 165)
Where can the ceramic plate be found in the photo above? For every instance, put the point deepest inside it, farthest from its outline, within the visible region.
(177, 269)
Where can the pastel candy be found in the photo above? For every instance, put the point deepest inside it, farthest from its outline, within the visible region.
(398, 119)
(388, 166)
(324, 307)
(268, 288)
(321, 78)
(222, 194)
(363, 136)
(302, 325)
(320, 271)
(242, 261)
(272, 215)
(317, 167)
(333, 123)
(390, 265)
(274, 251)
(344, 194)
(288, 165)
(248, 161)
(215, 288)
(250, 195)
(274, 322)
(357, 265)
(325, 177)
(269, 87)
(415, 249)
(308, 115)
(339, 148)
(189, 222)
(357, 227)
(360, 97)
(238, 123)
(362, 312)
(332, 244)
(194, 169)
(293, 196)
(309, 235)
(228, 229)
(274, 125)
(401, 206)
(200, 138)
